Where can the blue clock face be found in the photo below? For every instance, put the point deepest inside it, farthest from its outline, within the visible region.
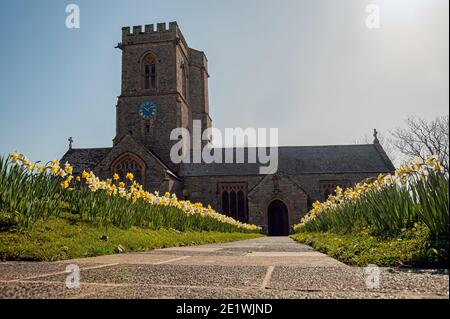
(147, 110)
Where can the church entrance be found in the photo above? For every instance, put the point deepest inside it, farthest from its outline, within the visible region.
(278, 221)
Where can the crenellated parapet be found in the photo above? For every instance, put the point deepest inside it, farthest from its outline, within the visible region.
(152, 33)
(137, 30)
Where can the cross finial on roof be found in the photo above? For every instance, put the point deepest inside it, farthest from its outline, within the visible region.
(70, 142)
(375, 136)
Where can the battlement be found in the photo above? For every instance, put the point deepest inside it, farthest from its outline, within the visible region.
(137, 30)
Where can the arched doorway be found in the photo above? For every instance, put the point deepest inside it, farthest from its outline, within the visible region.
(278, 221)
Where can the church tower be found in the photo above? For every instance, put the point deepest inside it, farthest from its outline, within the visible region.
(164, 86)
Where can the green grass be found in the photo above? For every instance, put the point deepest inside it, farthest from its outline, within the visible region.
(411, 248)
(69, 237)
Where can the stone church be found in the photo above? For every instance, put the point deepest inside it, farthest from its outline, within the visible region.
(165, 86)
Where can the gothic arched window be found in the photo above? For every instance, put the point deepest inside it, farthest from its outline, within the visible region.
(233, 204)
(225, 203)
(234, 200)
(241, 206)
(149, 71)
(129, 164)
(329, 187)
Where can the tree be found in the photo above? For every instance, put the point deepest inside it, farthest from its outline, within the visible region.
(423, 138)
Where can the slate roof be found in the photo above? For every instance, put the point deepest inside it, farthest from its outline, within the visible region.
(84, 158)
(357, 158)
(365, 158)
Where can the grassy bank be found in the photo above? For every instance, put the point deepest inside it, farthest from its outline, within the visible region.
(30, 192)
(68, 237)
(48, 214)
(409, 248)
(417, 192)
(396, 219)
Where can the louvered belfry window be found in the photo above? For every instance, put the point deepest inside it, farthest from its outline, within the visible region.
(149, 66)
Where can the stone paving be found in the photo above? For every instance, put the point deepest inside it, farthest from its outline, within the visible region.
(269, 267)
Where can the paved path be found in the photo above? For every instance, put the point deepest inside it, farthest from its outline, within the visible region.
(269, 267)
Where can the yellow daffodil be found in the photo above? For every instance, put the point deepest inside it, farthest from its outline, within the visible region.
(68, 169)
(15, 157)
(65, 184)
(135, 192)
(85, 175)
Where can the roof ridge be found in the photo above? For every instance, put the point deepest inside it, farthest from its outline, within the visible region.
(90, 148)
(293, 146)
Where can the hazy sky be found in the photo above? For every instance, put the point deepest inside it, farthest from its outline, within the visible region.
(309, 67)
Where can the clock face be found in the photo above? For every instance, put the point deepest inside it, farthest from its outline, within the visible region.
(147, 110)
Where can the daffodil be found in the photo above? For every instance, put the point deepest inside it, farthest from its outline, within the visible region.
(68, 169)
(65, 184)
(15, 157)
(135, 192)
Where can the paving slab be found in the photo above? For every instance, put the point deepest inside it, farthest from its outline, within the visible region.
(267, 267)
(48, 290)
(354, 279)
(218, 252)
(183, 275)
(259, 261)
(180, 292)
(285, 254)
(21, 270)
(188, 249)
(135, 258)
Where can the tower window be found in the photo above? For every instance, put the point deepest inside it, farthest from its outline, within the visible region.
(149, 68)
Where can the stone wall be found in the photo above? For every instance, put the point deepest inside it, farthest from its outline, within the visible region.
(296, 191)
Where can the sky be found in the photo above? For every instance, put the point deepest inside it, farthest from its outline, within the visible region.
(311, 68)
